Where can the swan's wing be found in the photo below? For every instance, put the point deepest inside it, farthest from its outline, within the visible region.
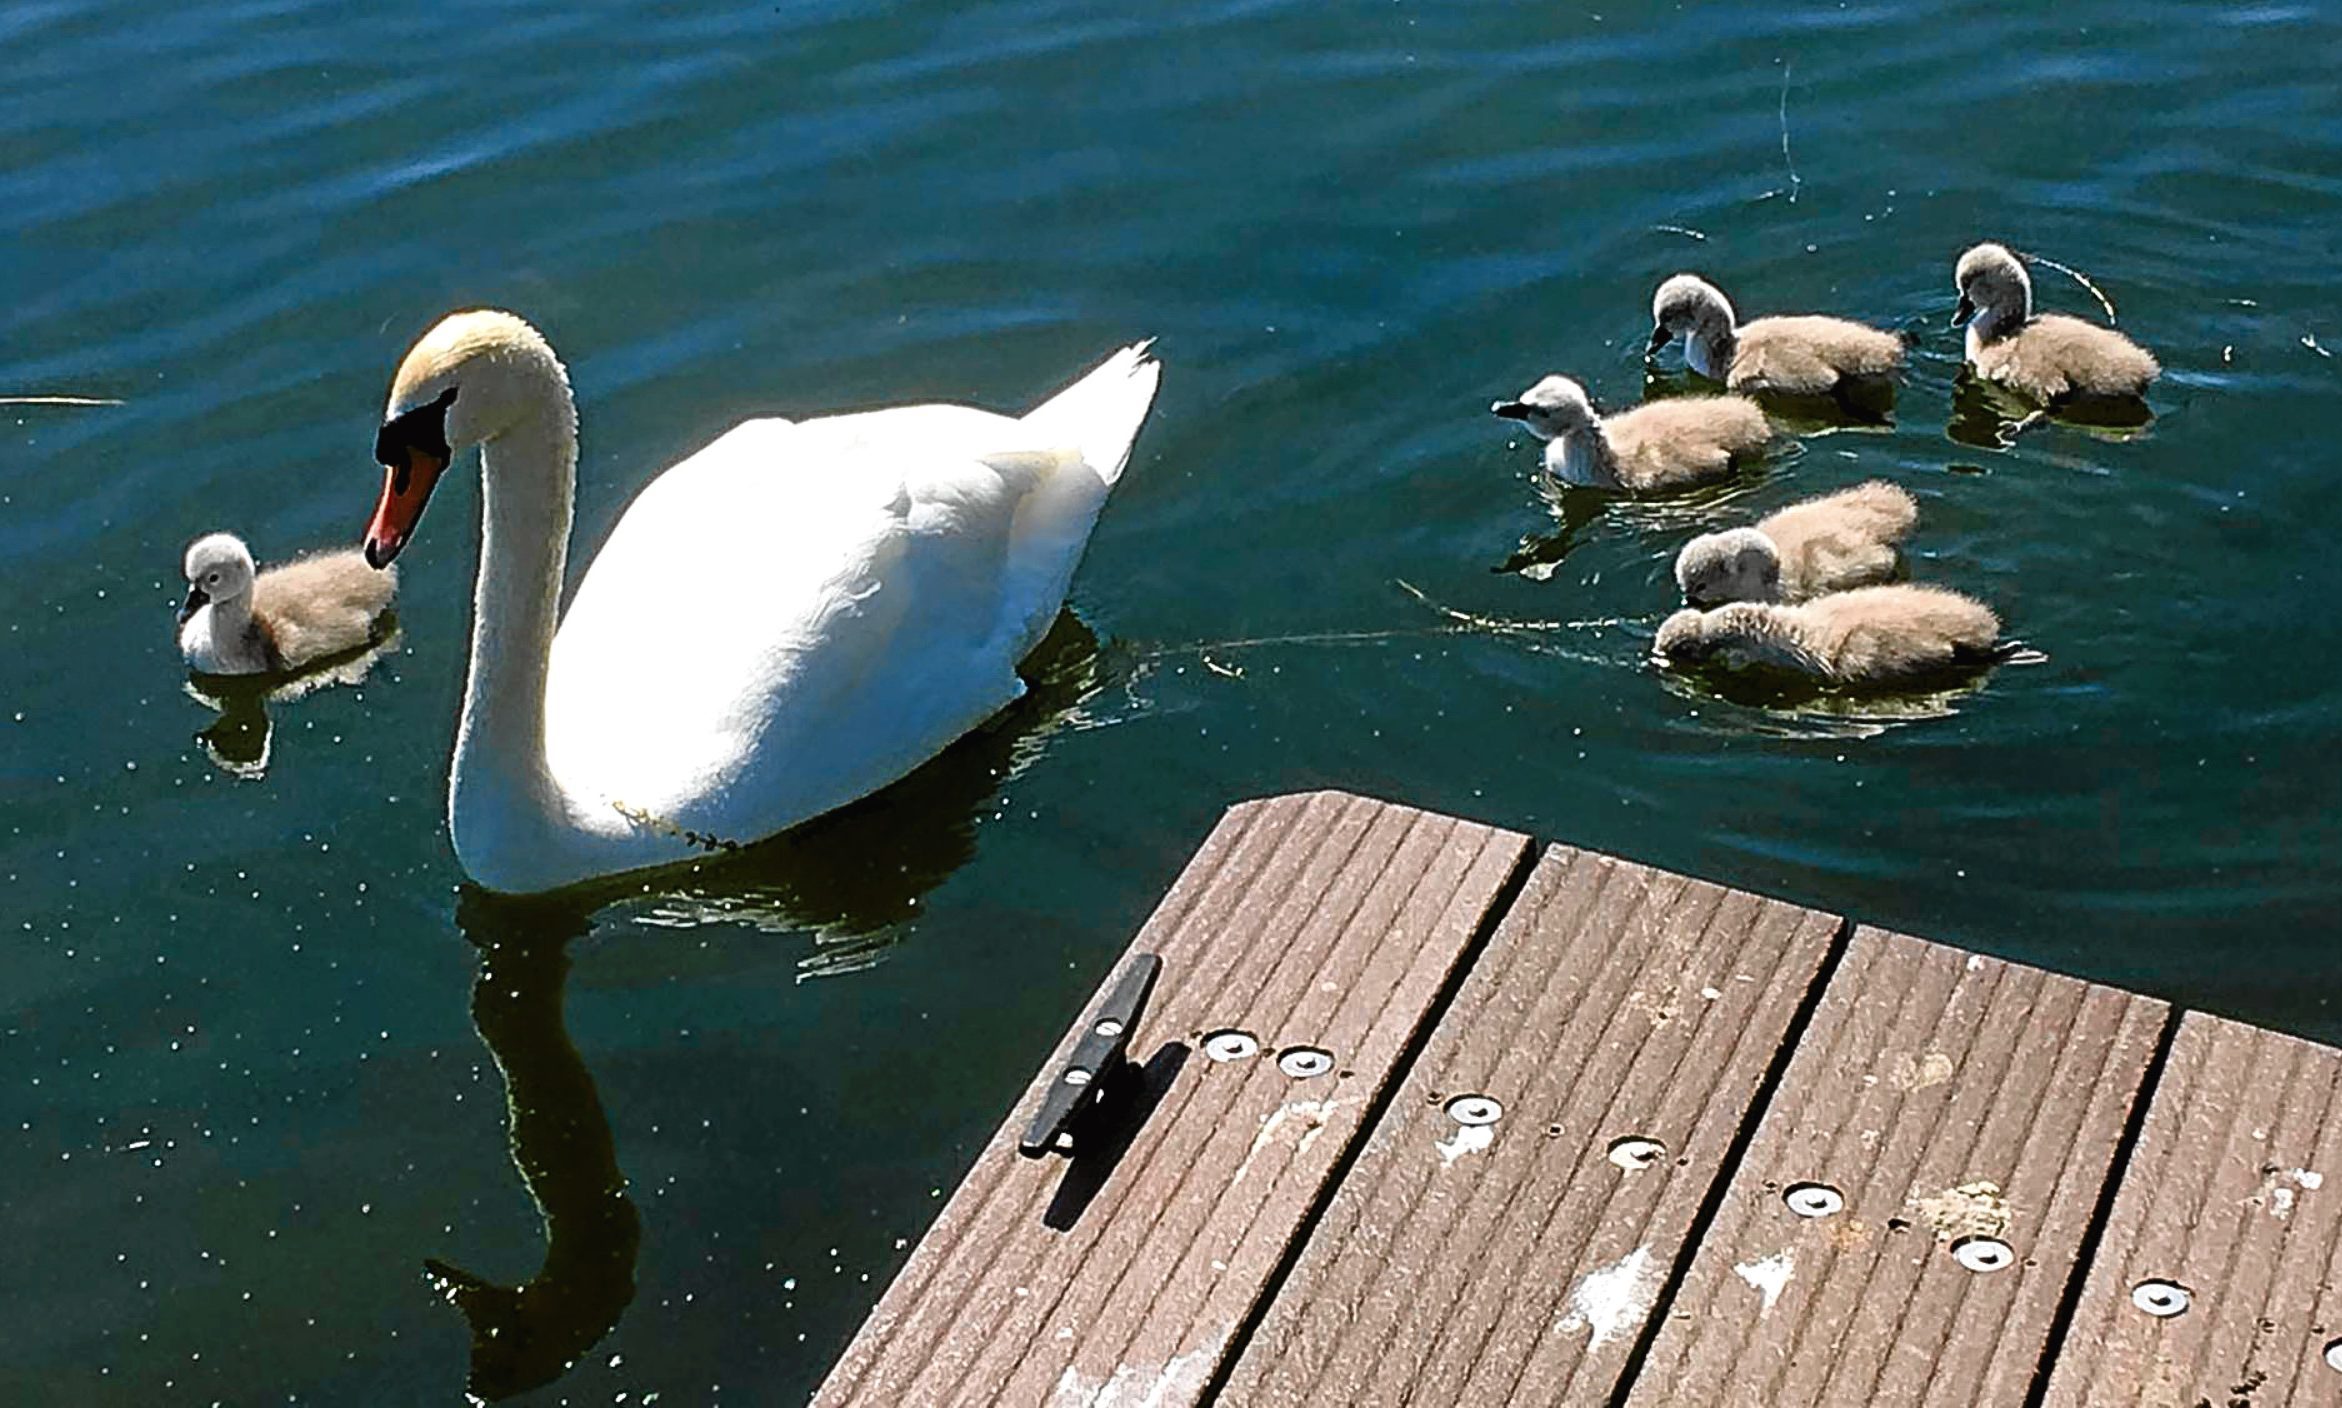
(713, 585)
(788, 620)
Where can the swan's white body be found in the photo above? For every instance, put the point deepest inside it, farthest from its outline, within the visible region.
(788, 620)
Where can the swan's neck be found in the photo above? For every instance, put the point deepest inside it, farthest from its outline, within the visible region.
(223, 637)
(502, 795)
(1582, 458)
(2008, 311)
(1710, 348)
(231, 618)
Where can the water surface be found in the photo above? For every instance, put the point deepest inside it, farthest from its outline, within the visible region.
(258, 1042)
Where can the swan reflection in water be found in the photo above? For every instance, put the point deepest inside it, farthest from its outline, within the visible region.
(1771, 703)
(238, 742)
(1989, 416)
(525, 1335)
(848, 878)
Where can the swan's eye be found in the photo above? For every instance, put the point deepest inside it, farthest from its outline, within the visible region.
(211, 579)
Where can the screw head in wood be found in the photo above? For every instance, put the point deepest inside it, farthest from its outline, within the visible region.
(1471, 1110)
(1302, 1062)
(1075, 1075)
(1635, 1151)
(1983, 1254)
(2162, 1299)
(1108, 1026)
(1231, 1045)
(2334, 1354)
(1813, 1199)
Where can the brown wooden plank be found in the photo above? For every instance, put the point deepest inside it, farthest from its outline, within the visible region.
(1613, 1001)
(1325, 920)
(1925, 1071)
(2233, 1194)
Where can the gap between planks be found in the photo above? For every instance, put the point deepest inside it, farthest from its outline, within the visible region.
(1500, 905)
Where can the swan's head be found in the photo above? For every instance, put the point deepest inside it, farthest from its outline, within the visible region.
(1551, 409)
(1739, 564)
(470, 379)
(1682, 637)
(1992, 282)
(1689, 306)
(219, 568)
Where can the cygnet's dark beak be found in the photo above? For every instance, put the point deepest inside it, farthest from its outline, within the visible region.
(1964, 312)
(196, 600)
(1510, 410)
(1660, 337)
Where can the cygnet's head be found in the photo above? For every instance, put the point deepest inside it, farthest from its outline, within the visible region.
(1739, 564)
(471, 378)
(219, 568)
(1682, 637)
(1993, 282)
(1551, 409)
(1689, 306)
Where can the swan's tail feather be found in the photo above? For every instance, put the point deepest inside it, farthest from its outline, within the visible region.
(1100, 414)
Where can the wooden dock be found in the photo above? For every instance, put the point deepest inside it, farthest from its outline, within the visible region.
(1415, 1116)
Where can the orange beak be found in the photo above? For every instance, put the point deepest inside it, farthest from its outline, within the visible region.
(406, 487)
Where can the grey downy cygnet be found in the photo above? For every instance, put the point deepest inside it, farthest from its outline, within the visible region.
(1852, 538)
(2047, 357)
(1796, 355)
(1871, 636)
(1656, 447)
(240, 621)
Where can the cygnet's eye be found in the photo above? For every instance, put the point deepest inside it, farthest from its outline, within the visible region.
(211, 579)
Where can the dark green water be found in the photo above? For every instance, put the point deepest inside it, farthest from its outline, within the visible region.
(249, 1086)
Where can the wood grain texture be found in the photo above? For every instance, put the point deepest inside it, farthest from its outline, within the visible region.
(2235, 1193)
(1925, 1072)
(1325, 920)
(1613, 1001)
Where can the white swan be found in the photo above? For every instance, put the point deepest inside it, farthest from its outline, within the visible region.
(787, 620)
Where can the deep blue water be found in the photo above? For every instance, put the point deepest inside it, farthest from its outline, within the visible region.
(258, 1045)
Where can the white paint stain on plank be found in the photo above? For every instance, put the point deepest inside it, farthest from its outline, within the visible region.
(1768, 1277)
(1308, 1116)
(2280, 1187)
(1612, 1300)
(1179, 1379)
(1468, 1139)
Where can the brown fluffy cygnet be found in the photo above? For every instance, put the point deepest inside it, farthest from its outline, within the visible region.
(238, 621)
(1830, 544)
(2047, 357)
(1797, 355)
(1657, 446)
(1869, 636)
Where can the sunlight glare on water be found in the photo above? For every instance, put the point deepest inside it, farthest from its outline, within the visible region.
(259, 1042)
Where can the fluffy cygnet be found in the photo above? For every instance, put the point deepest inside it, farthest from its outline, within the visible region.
(1801, 355)
(1657, 446)
(2049, 357)
(1869, 636)
(1830, 544)
(237, 622)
